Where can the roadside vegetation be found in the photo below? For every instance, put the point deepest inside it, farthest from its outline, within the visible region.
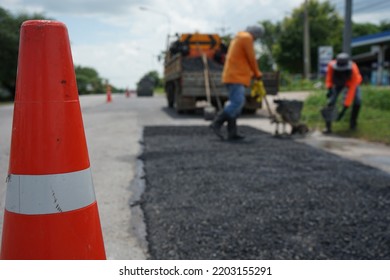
(373, 121)
(88, 79)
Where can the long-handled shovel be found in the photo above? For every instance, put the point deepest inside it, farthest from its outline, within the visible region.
(209, 111)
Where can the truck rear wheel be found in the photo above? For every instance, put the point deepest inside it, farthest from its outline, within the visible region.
(182, 103)
(177, 98)
(170, 93)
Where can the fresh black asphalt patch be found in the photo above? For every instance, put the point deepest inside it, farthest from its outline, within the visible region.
(264, 198)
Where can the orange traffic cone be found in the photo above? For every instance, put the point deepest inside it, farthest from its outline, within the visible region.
(109, 98)
(127, 92)
(51, 210)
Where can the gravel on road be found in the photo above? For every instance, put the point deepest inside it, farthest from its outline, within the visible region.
(262, 198)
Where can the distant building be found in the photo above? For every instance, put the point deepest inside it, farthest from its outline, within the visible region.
(374, 63)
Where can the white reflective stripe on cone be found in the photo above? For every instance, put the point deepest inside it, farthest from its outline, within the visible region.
(48, 194)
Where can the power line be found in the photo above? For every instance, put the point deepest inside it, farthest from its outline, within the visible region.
(373, 6)
(361, 6)
(364, 2)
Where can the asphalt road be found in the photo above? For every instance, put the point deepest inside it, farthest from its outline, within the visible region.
(261, 198)
(114, 131)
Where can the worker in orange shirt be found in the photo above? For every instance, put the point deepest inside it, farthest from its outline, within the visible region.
(240, 67)
(342, 76)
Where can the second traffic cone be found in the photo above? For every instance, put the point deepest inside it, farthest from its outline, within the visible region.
(109, 98)
(50, 210)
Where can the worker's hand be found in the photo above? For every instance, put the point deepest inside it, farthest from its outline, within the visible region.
(258, 78)
(329, 93)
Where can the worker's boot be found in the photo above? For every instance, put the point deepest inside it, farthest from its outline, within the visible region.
(232, 130)
(354, 116)
(218, 123)
(328, 128)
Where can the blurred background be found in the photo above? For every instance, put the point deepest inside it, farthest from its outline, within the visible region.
(121, 42)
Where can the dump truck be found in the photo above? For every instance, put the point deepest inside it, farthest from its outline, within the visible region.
(184, 73)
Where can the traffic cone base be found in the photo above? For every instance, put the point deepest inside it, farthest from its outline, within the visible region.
(62, 236)
(65, 204)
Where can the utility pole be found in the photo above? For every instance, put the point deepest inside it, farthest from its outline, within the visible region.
(306, 42)
(347, 27)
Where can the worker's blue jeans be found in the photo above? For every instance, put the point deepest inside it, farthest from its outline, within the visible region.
(236, 100)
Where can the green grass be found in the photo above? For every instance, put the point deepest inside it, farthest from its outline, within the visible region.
(297, 85)
(373, 121)
(159, 91)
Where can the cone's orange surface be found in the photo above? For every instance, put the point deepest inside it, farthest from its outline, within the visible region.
(45, 135)
(51, 211)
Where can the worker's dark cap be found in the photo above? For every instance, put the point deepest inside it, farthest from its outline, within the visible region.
(257, 31)
(343, 62)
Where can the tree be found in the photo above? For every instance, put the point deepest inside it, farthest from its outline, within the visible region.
(153, 75)
(384, 25)
(361, 29)
(9, 46)
(326, 27)
(269, 41)
(88, 80)
(9, 38)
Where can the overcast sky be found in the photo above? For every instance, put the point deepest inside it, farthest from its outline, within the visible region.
(121, 41)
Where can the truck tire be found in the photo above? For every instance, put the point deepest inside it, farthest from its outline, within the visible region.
(170, 93)
(182, 103)
(177, 97)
